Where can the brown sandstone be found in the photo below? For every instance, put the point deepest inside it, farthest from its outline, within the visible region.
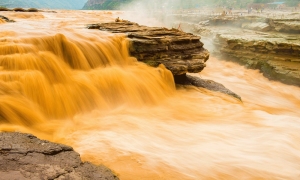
(180, 52)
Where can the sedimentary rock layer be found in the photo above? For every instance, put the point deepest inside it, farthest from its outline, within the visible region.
(180, 52)
(259, 41)
(23, 156)
(277, 57)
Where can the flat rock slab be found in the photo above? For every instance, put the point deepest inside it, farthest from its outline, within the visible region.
(180, 52)
(24, 156)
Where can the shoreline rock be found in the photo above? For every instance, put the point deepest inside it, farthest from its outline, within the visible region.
(24, 156)
(270, 44)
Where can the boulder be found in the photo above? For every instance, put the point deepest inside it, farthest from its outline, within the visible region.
(24, 156)
(180, 52)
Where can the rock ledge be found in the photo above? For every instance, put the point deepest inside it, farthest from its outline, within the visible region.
(24, 156)
(180, 52)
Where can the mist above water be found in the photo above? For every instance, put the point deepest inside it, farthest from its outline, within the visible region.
(80, 87)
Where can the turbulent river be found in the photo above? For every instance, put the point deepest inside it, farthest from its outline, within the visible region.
(64, 83)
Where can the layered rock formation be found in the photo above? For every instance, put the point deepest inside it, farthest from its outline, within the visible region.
(180, 52)
(277, 57)
(23, 156)
(261, 41)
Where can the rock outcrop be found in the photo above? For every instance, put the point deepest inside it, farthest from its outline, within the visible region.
(23, 156)
(285, 25)
(270, 44)
(278, 58)
(180, 52)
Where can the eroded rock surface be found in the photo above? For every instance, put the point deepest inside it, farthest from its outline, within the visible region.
(23, 156)
(180, 52)
(278, 57)
(269, 42)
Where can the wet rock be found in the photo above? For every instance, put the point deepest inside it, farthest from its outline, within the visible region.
(284, 71)
(5, 19)
(180, 52)
(23, 156)
(185, 79)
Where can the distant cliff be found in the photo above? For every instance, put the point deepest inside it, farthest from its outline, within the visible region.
(53, 4)
(105, 4)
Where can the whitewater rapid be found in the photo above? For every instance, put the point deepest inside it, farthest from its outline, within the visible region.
(65, 83)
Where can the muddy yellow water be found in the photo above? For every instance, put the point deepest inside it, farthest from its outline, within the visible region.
(64, 83)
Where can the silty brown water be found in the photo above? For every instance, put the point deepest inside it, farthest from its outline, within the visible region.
(80, 87)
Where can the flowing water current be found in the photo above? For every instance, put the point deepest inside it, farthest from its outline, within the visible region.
(67, 84)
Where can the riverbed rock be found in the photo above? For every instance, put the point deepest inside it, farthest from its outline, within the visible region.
(187, 79)
(24, 156)
(180, 52)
